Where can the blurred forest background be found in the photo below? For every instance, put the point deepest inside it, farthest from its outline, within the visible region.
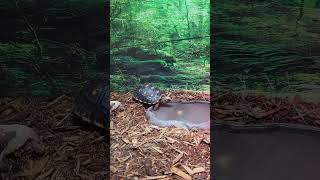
(270, 47)
(49, 47)
(162, 42)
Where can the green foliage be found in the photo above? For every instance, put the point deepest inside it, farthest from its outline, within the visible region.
(257, 59)
(262, 44)
(49, 47)
(67, 65)
(310, 78)
(150, 22)
(120, 83)
(160, 42)
(16, 51)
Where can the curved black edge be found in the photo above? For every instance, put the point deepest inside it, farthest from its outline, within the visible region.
(265, 127)
(103, 107)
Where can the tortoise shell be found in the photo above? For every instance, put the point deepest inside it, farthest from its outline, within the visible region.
(92, 103)
(147, 94)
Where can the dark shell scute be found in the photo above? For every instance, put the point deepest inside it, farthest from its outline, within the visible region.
(147, 94)
(91, 105)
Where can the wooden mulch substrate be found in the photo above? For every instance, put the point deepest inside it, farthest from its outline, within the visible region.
(140, 150)
(74, 150)
(253, 109)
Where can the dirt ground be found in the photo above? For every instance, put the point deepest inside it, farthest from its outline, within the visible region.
(72, 150)
(75, 150)
(138, 150)
(254, 109)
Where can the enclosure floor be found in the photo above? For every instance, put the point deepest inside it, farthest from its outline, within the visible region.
(255, 109)
(75, 150)
(72, 150)
(139, 149)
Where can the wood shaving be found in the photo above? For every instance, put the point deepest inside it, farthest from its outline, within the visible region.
(162, 145)
(180, 173)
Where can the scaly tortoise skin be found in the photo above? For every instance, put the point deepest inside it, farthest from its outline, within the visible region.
(150, 95)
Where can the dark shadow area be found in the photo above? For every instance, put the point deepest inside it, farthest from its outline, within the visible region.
(48, 52)
(51, 47)
(251, 153)
(265, 73)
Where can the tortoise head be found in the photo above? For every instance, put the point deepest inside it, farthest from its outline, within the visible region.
(165, 99)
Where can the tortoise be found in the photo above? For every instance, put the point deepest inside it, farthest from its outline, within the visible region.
(150, 95)
(91, 105)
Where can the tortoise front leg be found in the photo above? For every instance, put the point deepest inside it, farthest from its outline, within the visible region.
(114, 105)
(156, 107)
